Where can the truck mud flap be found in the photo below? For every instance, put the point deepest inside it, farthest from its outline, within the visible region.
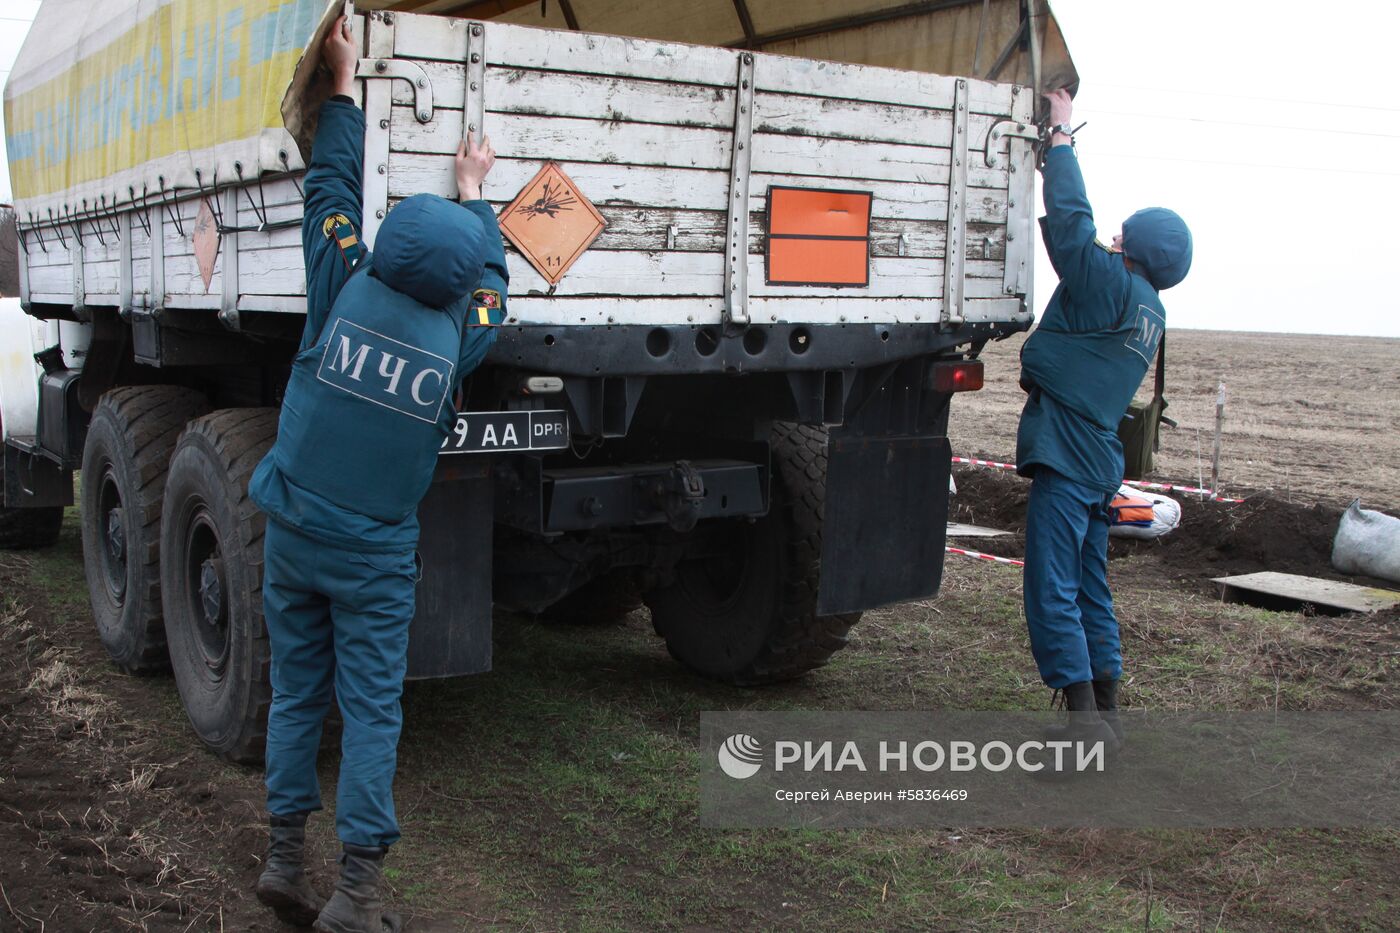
(451, 630)
(885, 521)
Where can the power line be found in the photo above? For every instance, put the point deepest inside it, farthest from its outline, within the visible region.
(1286, 168)
(1276, 100)
(1267, 126)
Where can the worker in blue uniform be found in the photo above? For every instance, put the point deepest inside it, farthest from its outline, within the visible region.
(389, 338)
(1081, 367)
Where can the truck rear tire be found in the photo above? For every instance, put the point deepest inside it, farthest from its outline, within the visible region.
(129, 440)
(211, 576)
(749, 616)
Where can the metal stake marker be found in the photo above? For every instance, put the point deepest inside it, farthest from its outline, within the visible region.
(1215, 452)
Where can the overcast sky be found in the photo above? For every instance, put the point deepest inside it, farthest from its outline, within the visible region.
(1274, 133)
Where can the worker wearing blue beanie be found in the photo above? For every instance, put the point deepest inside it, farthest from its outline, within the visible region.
(389, 337)
(1081, 367)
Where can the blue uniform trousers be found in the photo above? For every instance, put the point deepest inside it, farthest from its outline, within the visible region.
(336, 619)
(1069, 609)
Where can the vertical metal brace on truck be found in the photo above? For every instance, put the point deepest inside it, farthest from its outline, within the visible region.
(955, 252)
(474, 98)
(379, 46)
(736, 267)
(228, 305)
(379, 101)
(1021, 135)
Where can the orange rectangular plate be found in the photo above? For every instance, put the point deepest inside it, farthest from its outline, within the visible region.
(818, 237)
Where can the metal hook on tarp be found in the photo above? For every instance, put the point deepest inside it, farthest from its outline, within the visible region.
(140, 212)
(287, 164)
(260, 211)
(95, 218)
(38, 232)
(78, 226)
(58, 228)
(165, 203)
(211, 199)
(112, 215)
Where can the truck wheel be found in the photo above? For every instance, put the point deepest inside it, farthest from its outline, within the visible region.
(129, 440)
(748, 615)
(211, 577)
(604, 600)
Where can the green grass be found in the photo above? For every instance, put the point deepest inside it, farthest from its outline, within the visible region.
(560, 791)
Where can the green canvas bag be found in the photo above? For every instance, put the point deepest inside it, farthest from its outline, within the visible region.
(1141, 424)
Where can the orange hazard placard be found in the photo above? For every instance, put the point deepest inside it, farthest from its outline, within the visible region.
(551, 222)
(818, 236)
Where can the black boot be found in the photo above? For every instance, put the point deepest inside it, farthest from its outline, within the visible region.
(354, 907)
(282, 884)
(1106, 701)
(1082, 721)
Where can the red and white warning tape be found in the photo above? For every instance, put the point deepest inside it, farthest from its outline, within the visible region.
(980, 556)
(1168, 487)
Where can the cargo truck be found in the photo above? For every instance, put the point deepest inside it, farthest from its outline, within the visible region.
(745, 287)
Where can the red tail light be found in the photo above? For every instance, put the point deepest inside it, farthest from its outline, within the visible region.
(962, 376)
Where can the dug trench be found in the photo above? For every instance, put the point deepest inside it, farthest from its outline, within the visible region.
(1214, 539)
(558, 792)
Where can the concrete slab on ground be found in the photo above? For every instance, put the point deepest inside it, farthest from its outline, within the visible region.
(1271, 590)
(959, 530)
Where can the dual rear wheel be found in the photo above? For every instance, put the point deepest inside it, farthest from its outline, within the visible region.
(172, 548)
(173, 551)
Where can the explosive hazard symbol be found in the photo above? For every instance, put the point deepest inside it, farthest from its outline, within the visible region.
(551, 222)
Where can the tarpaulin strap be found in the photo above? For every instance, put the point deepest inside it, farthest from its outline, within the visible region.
(141, 213)
(165, 203)
(58, 228)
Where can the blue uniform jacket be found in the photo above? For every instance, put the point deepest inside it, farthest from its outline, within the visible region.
(1091, 349)
(371, 393)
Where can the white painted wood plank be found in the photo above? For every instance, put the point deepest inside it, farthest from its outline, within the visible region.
(599, 272)
(553, 94)
(603, 183)
(868, 82)
(52, 280)
(278, 304)
(102, 277)
(445, 39)
(841, 159)
(182, 280)
(271, 271)
(558, 138)
(802, 115)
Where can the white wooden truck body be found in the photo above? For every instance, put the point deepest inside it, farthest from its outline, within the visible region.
(648, 131)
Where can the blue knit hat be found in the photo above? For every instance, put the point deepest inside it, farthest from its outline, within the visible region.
(431, 249)
(1159, 243)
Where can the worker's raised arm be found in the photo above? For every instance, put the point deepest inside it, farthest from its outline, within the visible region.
(488, 302)
(331, 222)
(1082, 263)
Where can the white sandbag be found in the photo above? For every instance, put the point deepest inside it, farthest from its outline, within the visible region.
(1367, 543)
(1166, 515)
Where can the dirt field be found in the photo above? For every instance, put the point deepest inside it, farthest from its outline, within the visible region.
(1310, 418)
(558, 792)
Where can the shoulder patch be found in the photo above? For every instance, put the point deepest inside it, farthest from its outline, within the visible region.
(487, 308)
(338, 227)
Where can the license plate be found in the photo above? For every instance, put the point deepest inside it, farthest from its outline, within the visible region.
(490, 431)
